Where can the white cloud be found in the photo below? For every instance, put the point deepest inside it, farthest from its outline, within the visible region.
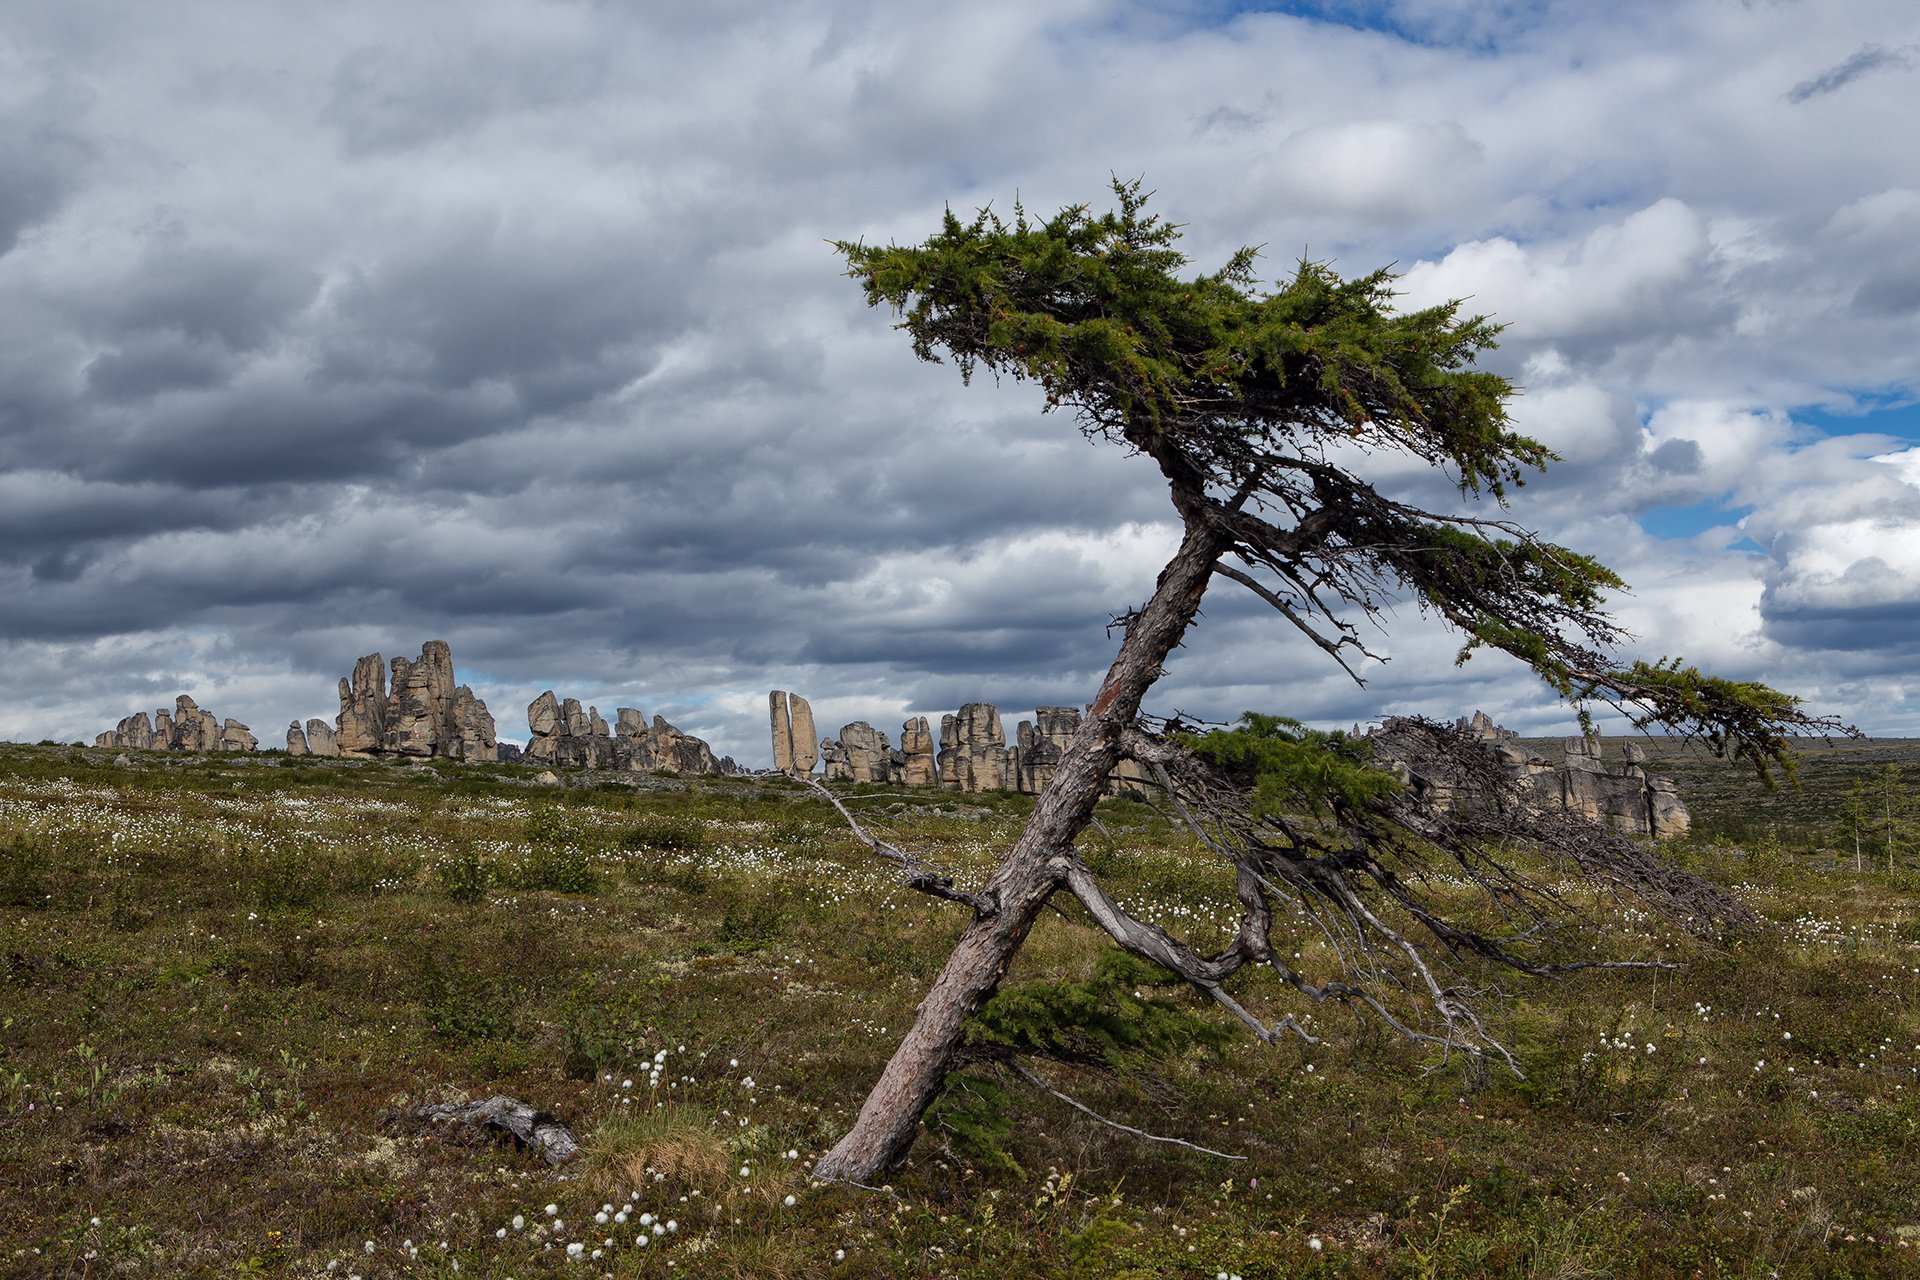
(329, 329)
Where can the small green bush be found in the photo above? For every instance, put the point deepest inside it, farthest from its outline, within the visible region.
(22, 864)
(463, 877)
(562, 868)
(665, 835)
(286, 875)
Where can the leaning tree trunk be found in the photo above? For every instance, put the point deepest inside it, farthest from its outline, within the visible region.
(889, 1120)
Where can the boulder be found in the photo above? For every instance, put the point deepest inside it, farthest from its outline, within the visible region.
(235, 736)
(296, 739)
(320, 739)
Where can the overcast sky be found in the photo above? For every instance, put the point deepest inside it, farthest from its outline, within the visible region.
(328, 329)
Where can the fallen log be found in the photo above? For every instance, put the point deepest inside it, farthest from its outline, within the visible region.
(528, 1126)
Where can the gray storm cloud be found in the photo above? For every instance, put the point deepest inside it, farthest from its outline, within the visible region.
(328, 330)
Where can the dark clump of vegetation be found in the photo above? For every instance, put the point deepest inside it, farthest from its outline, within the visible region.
(212, 997)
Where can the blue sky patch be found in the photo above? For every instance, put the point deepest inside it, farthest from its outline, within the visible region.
(1888, 415)
(1674, 523)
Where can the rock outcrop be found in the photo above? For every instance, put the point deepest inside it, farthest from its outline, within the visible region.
(918, 756)
(861, 754)
(567, 735)
(425, 715)
(973, 750)
(794, 744)
(1626, 798)
(187, 728)
(971, 754)
(316, 739)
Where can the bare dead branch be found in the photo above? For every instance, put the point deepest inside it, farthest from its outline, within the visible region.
(915, 872)
(527, 1125)
(1085, 1110)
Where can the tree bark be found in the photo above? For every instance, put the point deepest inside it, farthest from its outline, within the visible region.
(889, 1120)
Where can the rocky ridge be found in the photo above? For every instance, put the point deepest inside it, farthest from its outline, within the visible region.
(186, 728)
(1625, 797)
(971, 753)
(564, 734)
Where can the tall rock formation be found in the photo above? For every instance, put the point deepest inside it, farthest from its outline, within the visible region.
(425, 715)
(1038, 746)
(919, 767)
(973, 750)
(187, 728)
(296, 739)
(362, 725)
(795, 748)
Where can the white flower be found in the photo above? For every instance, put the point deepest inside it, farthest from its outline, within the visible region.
(745, 1172)
(733, 1062)
(641, 1240)
(672, 1225)
(368, 1246)
(626, 1084)
(552, 1209)
(789, 1202)
(646, 1219)
(601, 1217)
(501, 1234)
(1313, 1243)
(839, 1255)
(575, 1249)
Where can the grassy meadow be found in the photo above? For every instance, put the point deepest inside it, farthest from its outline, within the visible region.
(225, 984)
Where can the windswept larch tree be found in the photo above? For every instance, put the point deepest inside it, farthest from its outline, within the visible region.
(1254, 404)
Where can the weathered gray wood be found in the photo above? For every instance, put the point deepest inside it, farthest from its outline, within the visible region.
(528, 1125)
(1039, 864)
